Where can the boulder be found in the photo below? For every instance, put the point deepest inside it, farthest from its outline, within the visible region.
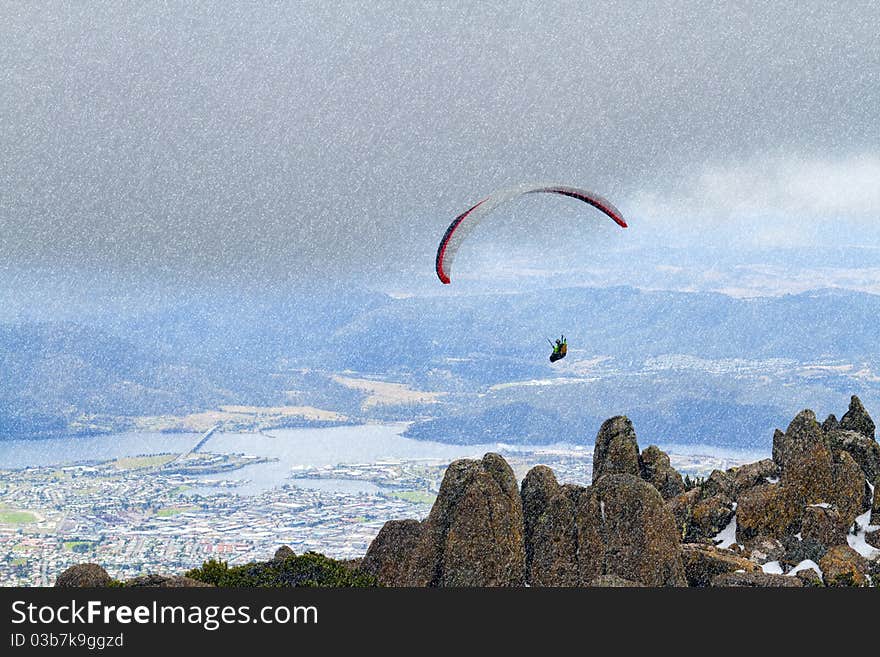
(538, 488)
(798, 550)
(755, 579)
(843, 566)
(657, 471)
(831, 423)
(857, 419)
(823, 525)
(83, 575)
(809, 577)
(681, 507)
(165, 582)
(473, 535)
(848, 482)
(802, 436)
(282, 553)
(703, 562)
(865, 451)
(764, 511)
(753, 474)
(390, 551)
(762, 549)
(717, 483)
(624, 529)
(554, 541)
(710, 516)
(617, 450)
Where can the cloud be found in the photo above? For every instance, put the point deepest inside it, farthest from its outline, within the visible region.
(789, 186)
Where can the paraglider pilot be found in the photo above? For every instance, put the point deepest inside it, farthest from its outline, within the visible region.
(560, 349)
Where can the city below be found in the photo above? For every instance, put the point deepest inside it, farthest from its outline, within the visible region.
(160, 514)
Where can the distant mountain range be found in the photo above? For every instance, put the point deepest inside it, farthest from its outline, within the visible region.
(687, 367)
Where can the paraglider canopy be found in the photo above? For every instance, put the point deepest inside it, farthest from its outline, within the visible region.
(464, 223)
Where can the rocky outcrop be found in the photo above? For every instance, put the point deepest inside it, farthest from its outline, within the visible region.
(710, 516)
(538, 488)
(843, 566)
(718, 483)
(473, 535)
(848, 486)
(831, 423)
(554, 541)
(813, 471)
(857, 419)
(657, 471)
(753, 474)
(390, 550)
(681, 507)
(764, 511)
(284, 552)
(617, 450)
(823, 525)
(809, 577)
(865, 451)
(755, 579)
(624, 529)
(83, 575)
(704, 562)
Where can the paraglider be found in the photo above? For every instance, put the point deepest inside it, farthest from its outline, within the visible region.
(464, 223)
(560, 349)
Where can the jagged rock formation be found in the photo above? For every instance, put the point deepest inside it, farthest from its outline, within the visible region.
(857, 419)
(553, 541)
(617, 450)
(624, 529)
(864, 451)
(658, 472)
(815, 469)
(390, 550)
(752, 474)
(474, 533)
(86, 575)
(831, 423)
(538, 488)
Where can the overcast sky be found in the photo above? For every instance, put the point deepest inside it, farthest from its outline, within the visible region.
(310, 139)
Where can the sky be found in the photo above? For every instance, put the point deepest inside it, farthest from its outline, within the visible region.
(218, 141)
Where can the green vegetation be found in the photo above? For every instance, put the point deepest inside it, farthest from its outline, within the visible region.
(79, 546)
(309, 569)
(16, 517)
(174, 510)
(137, 462)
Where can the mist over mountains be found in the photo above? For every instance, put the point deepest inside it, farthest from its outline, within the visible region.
(688, 367)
